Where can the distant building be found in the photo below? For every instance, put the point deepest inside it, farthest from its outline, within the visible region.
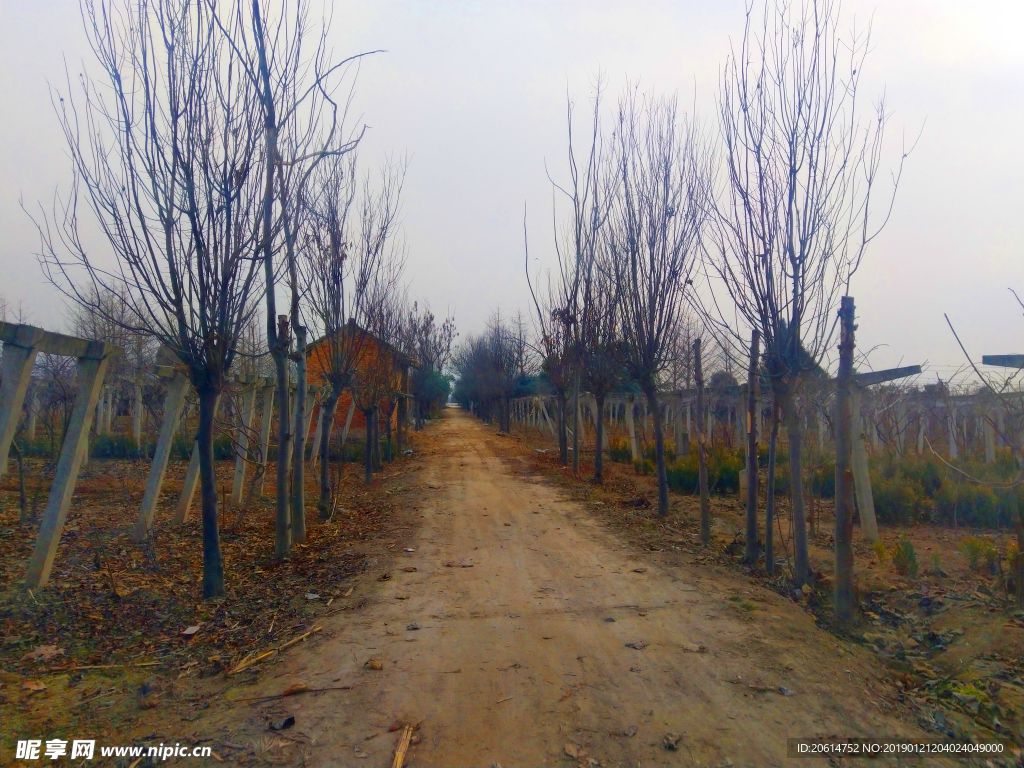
(376, 358)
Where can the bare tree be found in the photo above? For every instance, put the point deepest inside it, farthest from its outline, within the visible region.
(304, 123)
(163, 152)
(601, 347)
(346, 262)
(657, 213)
(794, 219)
(431, 344)
(378, 370)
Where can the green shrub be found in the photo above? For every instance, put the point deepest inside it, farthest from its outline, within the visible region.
(670, 452)
(924, 471)
(723, 472)
(967, 504)
(619, 450)
(645, 467)
(114, 447)
(978, 550)
(904, 558)
(823, 480)
(223, 448)
(896, 500)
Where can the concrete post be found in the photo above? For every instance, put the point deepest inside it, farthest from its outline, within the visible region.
(922, 425)
(689, 430)
(901, 427)
(173, 403)
(1000, 430)
(579, 421)
(677, 423)
(861, 475)
(266, 417)
(110, 411)
(308, 416)
(348, 424)
(319, 430)
(634, 445)
(990, 441)
(951, 419)
(90, 379)
(188, 490)
(33, 414)
(16, 370)
(547, 419)
(137, 414)
(242, 445)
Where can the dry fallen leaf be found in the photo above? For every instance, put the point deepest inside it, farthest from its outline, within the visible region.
(190, 632)
(34, 685)
(44, 653)
(574, 751)
(377, 664)
(295, 688)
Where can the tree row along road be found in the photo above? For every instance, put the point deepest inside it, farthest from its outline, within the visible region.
(508, 643)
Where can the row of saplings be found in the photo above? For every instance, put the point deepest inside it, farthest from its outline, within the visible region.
(906, 490)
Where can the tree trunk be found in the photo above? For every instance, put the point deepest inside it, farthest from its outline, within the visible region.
(752, 550)
(330, 406)
(794, 432)
(22, 496)
(844, 594)
(769, 504)
(576, 427)
(298, 500)
(369, 446)
(403, 408)
(283, 542)
(563, 440)
(702, 449)
(213, 564)
(378, 465)
(599, 444)
(387, 430)
(659, 451)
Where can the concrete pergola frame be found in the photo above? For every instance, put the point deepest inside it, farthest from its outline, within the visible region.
(177, 389)
(21, 345)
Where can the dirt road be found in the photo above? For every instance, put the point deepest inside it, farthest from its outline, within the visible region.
(510, 641)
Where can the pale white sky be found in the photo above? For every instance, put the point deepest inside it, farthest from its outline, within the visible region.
(475, 93)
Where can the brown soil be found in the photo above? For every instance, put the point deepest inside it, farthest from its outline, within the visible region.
(504, 636)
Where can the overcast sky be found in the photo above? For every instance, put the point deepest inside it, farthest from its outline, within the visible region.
(475, 93)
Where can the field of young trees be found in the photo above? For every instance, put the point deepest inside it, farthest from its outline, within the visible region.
(241, 324)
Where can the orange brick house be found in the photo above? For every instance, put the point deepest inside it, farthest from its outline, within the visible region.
(374, 358)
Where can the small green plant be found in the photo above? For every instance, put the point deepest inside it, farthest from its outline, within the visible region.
(747, 607)
(619, 450)
(645, 467)
(978, 550)
(936, 564)
(904, 558)
(879, 546)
